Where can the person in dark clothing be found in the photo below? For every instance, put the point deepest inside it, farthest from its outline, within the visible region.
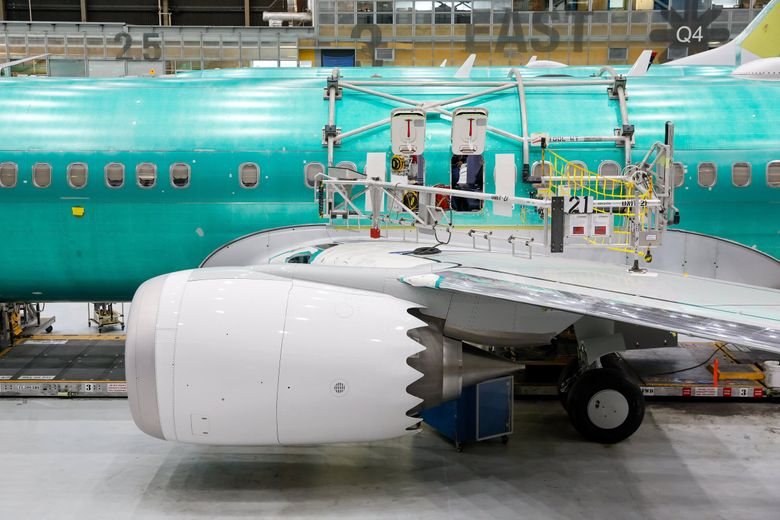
(467, 173)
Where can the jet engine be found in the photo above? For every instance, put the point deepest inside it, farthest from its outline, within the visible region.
(232, 356)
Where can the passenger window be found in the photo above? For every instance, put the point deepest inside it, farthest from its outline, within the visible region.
(312, 172)
(115, 175)
(773, 174)
(576, 168)
(347, 165)
(146, 175)
(678, 174)
(180, 175)
(9, 172)
(249, 175)
(708, 174)
(609, 168)
(77, 175)
(537, 172)
(41, 175)
(741, 174)
(467, 173)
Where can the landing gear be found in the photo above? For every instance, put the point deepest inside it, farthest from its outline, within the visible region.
(566, 380)
(604, 406)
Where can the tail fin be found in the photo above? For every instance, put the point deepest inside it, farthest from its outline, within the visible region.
(760, 39)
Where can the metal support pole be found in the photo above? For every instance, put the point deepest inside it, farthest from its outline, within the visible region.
(668, 164)
(247, 20)
(2, 10)
(83, 10)
(528, 84)
(621, 94)
(362, 129)
(166, 13)
(523, 201)
(524, 122)
(332, 92)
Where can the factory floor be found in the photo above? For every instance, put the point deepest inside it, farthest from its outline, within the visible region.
(84, 459)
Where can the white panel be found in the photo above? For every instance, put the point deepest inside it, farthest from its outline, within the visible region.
(407, 131)
(343, 374)
(505, 173)
(578, 225)
(376, 167)
(227, 359)
(601, 225)
(469, 130)
(397, 179)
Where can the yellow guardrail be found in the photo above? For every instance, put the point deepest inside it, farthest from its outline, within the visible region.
(569, 178)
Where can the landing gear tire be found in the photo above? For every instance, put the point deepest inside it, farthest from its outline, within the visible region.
(604, 406)
(566, 380)
(49, 329)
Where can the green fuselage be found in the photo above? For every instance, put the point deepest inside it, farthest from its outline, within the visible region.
(217, 121)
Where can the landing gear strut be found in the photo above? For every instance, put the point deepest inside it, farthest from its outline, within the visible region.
(603, 405)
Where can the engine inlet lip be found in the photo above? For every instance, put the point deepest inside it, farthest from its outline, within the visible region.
(140, 357)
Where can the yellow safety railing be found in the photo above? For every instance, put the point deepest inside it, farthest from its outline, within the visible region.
(568, 178)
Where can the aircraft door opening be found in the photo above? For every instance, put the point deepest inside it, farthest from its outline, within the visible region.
(467, 173)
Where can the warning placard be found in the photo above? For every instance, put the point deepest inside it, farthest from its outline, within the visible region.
(117, 388)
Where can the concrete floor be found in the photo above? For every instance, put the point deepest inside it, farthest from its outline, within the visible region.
(85, 459)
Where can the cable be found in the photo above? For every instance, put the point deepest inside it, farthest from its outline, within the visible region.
(426, 250)
(684, 369)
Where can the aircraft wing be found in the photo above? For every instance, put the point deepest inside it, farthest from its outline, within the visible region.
(702, 307)
(20, 61)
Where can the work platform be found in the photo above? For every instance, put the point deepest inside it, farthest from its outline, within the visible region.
(64, 366)
(684, 371)
(93, 366)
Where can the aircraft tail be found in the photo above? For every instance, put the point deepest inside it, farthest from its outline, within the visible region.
(760, 39)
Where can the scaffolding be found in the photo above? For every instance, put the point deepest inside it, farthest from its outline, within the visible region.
(627, 211)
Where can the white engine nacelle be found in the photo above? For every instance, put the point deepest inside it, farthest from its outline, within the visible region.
(232, 356)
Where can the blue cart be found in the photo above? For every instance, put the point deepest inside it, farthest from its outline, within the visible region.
(482, 412)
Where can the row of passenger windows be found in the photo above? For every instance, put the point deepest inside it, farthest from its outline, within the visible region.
(741, 172)
(249, 174)
(77, 175)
